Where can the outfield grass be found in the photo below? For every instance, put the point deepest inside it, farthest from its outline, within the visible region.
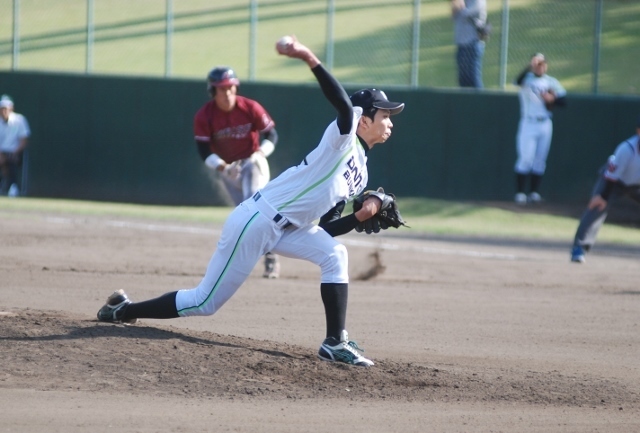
(453, 218)
(424, 216)
(373, 39)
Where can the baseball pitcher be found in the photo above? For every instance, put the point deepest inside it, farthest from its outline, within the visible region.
(281, 218)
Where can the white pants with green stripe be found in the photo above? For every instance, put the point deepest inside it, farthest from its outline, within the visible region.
(246, 236)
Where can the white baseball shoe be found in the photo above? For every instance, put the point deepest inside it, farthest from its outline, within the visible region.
(14, 191)
(520, 198)
(344, 350)
(534, 197)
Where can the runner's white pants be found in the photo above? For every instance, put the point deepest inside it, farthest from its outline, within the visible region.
(247, 177)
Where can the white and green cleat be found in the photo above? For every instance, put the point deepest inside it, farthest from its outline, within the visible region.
(344, 350)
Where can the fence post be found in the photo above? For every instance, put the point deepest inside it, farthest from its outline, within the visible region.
(168, 38)
(16, 34)
(597, 36)
(90, 36)
(253, 35)
(415, 52)
(504, 43)
(331, 12)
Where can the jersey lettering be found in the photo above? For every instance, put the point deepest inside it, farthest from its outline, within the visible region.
(236, 132)
(352, 176)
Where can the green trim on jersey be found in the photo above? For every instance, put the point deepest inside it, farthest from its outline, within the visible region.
(226, 266)
(333, 170)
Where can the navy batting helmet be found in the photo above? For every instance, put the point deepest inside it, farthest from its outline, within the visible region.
(221, 76)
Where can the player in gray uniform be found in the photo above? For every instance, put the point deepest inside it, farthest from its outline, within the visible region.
(538, 94)
(620, 177)
(280, 218)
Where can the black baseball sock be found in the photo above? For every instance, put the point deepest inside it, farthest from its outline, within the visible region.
(535, 182)
(163, 307)
(334, 298)
(521, 180)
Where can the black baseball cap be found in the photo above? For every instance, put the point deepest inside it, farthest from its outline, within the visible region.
(367, 98)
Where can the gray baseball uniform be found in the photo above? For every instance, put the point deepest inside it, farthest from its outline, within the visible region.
(621, 177)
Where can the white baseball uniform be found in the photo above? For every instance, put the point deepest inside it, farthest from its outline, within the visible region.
(623, 168)
(535, 128)
(15, 129)
(624, 164)
(280, 218)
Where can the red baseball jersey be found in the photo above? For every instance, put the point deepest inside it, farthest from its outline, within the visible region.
(233, 135)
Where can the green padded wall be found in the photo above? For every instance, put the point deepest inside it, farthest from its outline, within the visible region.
(130, 139)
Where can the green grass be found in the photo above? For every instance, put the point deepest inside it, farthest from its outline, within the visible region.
(452, 218)
(115, 210)
(425, 216)
(373, 39)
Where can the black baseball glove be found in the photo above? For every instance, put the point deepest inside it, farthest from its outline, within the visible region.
(388, 215)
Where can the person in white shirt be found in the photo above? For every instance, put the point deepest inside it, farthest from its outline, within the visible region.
(539, 94)
(281, 218)
(14, 135)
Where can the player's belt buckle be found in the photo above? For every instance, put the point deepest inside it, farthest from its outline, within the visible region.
(280, 221)
(539, 118)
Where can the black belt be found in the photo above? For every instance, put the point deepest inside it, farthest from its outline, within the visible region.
(539, 118)
(276, 218)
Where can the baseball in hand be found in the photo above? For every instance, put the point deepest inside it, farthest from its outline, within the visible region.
(283, 44)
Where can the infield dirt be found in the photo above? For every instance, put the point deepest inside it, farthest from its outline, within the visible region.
(468, 335)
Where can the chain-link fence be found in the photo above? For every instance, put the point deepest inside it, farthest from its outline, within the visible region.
(591, 45)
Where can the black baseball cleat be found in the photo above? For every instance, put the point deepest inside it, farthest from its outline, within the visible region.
(113, 310)
(344, 350)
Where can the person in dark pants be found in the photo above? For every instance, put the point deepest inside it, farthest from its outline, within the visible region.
(468, 17)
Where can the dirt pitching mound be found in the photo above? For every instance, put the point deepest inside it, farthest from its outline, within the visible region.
(48, 350)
